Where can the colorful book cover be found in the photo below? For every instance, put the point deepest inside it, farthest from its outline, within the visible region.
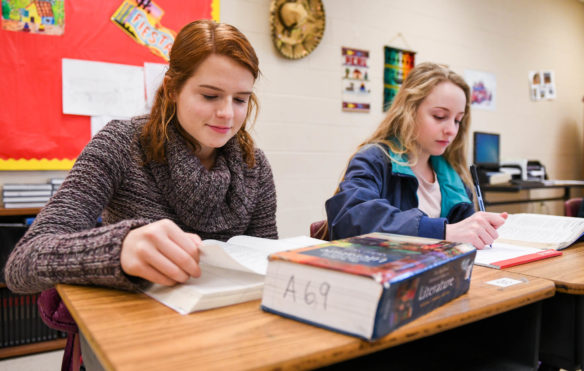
(414, 275)
(382, 256)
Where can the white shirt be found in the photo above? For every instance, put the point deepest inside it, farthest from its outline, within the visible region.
(429, 196)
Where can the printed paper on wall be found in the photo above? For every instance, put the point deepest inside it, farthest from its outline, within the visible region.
(483, 88)
(355, 82)
(102, 89)
(542, 85)
(153, 76)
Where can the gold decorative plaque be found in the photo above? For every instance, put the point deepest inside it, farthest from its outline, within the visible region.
(297, 26)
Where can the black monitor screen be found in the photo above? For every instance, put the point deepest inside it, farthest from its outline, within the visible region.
(486, 149)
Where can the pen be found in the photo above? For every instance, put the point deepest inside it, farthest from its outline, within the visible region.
(475, 180)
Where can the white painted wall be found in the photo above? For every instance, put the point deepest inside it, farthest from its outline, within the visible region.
(307, 138)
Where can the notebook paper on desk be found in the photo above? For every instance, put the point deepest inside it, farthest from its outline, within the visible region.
(529, 237)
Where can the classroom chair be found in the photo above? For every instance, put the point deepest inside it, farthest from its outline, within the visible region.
(572, 206)
(319, 230)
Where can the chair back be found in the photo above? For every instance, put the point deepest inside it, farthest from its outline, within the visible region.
(572, 206)
(319, 230)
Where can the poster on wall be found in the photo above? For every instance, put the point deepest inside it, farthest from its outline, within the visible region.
(398, 63)
(45, 17)
(36, 133)
(356, 92)
(542, 85)
(141, 21)
(483, 87)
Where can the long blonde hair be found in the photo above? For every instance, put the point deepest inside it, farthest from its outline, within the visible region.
(399, 123)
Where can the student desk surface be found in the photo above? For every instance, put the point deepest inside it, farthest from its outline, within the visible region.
(566, 271)
(129, 331)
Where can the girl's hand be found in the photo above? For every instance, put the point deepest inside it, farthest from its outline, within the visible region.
(480, 229)
(162, 253)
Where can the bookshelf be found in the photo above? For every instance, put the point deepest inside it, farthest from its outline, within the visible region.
(18, 216)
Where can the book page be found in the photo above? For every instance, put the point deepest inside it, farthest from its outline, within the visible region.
(215, 287)
(247, 253)
(267, 245)
(544, 231)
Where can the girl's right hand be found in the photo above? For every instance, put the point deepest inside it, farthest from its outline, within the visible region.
(479, 229)
(162, 253)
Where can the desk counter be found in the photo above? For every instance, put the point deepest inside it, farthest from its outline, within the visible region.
(567, 270)
(566, 185)
(130, 331)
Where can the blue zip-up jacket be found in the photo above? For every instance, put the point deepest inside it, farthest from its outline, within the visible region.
(379, 195)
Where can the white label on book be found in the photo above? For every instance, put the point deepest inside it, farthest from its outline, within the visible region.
(504, 282)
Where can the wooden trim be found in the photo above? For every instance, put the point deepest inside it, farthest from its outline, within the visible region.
(21, 350)
(15, 212)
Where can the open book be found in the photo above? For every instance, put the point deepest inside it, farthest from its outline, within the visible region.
(528, 237)
(231, 272)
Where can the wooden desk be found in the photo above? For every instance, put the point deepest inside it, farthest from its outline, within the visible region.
(562, 338)
(515, 188)
(133, 332)
(566, 271)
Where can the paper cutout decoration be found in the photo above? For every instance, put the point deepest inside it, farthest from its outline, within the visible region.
(34, 16)
(398, 63)
(141, 21)
(356, 91)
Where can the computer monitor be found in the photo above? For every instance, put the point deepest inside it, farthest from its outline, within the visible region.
(486, 150)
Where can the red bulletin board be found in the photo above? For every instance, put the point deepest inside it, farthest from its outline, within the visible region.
(34, 132)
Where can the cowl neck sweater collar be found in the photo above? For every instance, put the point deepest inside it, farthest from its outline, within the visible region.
(207, 200)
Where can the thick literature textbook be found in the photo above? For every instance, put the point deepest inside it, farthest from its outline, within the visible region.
(231, 272)
(528, 237)
(368, 285)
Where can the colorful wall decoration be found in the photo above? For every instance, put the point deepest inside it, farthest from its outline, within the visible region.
(36, 134)
(142, 23)
(39, 16)
(483, 89)
(542, 85)
(398, 63)
(356, 91)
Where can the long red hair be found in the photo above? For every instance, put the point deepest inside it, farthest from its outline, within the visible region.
(193, 44)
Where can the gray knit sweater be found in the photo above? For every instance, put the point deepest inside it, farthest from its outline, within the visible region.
(64, 245)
